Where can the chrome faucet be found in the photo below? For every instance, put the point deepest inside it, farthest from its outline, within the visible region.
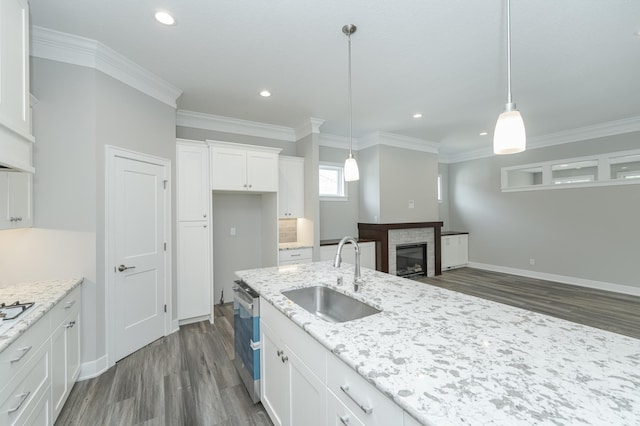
(357, 279)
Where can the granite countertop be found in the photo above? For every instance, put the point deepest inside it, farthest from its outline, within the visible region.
(453, 359)
(336, 241)
(293, 246)
(45, 294)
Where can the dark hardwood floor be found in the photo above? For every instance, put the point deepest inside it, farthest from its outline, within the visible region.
(616, 312)
(186, 378)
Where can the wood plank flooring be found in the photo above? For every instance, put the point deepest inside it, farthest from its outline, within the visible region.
(616, 312)
(186, 378)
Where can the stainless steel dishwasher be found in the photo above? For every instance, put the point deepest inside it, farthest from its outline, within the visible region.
(246, 328)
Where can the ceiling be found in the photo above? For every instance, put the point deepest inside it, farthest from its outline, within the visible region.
(575, 63)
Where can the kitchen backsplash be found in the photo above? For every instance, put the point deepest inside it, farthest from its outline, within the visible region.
(288, 229)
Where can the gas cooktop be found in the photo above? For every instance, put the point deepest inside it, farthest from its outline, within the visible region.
(9, 313)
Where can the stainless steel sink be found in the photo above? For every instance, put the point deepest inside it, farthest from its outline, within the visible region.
(329, 304)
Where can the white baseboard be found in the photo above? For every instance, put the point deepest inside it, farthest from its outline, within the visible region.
(192, 320)
(600, 285)
(91, 369)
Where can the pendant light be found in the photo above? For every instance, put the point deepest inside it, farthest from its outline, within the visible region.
(351, 172)
(509, 136)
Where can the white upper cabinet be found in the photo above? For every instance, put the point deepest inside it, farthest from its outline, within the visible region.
(291, 187)
(238, 167)
(193, 181)
(15, 116)
(15, 200)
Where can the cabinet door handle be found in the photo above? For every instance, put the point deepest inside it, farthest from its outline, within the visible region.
(249, 186)
(24, 352)
(280, 352)
(23, 397)
(345, 420)
(71, 324)
(204, 215)
(345, 389)
(284, 359)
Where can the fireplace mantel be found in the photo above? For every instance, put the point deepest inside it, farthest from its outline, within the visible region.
(380, 233)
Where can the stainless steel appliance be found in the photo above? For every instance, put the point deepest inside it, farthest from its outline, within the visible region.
(8, 314)
(246, 327)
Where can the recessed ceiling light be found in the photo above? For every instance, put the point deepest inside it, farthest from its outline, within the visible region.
(417, 115)
(164, 17)
(265, 93)
(483, 133)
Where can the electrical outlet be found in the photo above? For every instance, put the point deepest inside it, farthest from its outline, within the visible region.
(233, 232)
(412, 204)
(532, 261)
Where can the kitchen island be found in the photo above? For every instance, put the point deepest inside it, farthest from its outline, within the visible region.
(453, 359)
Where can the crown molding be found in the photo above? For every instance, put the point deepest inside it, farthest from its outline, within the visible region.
(71, 49)
(311, 126)
(601, 130)
(337, 141)
(219, 123)
(398, 141)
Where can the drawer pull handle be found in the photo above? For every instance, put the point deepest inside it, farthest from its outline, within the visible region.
(23, 397)
(345, 420)
(296, 255)
(71, 324)
(284, 359)
(345, 389)
(70, 304)
(24, 351)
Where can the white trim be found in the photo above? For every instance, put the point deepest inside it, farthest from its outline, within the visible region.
(600, 130)
(72, 49)
(91, 369)
(199, 120)
(581, 282)
(311, 126)
(336, 141)
(111, 152)
(398, 141)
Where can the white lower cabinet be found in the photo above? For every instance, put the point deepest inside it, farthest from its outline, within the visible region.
(295, 256)
(454, 250)
(38, 370)
(304, 384)
(194, 270)
(65, 349)
(410, 421)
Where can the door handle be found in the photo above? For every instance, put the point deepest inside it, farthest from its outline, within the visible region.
(123, 268)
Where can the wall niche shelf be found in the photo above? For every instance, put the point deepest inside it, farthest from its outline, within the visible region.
(613, 168)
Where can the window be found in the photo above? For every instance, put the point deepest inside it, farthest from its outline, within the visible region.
(332, 182)
(440, 188)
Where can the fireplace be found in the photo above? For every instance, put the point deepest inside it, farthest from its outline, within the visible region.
(411, 260)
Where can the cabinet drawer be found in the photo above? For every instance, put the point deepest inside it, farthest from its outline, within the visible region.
(301, 254)
(368, 404)
(65, 307)
(25, 390)
(338, 414)
(20, 352)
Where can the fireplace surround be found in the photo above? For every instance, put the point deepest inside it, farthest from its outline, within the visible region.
(389, 235)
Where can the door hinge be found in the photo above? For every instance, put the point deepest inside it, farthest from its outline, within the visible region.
(165, 308)
(165, 183)
(165, 246)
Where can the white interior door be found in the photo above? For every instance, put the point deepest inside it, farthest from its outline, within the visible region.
(138, 298)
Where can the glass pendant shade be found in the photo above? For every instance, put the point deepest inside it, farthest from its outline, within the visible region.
(509, 136)
(351, 172)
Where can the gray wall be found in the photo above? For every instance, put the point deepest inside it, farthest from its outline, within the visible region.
(308, 148)
(587, 233)
(443, 206)
(80, 110)
(339, 218)
(369, 184)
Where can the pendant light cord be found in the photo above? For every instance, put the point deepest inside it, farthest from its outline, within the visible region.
(350, 101)
(509, 101)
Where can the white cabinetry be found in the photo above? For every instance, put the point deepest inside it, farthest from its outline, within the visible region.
(367, 254)
(237, 167)
(195, 284)
(303, 383)
(295, 256)
(291, 187)
(16, 142)
(15, 200)
(65, 349)
(454, 250)
(38, 370)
